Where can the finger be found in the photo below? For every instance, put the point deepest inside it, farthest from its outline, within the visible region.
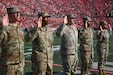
(86, 23)
(39, 24)
(40, 18)
(109, 25)
(101, 28)
(65, 20)
(5, 20)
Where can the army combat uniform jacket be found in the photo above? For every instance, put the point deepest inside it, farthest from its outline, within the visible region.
(12, 45)
(69, 39)
(86, 50)
(42, 50)
(69, 53)
(86, 39)
(102, 47)
(42, 44)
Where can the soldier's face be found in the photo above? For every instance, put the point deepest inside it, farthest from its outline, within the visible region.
(104, 26)
(88, 22)
(70, 21)
(18, 15)
(14, 16)
(45, 21)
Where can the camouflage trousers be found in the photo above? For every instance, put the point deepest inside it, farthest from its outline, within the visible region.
(12, 69)
(86, 62)
(42, 68)
(70, 63)
(102, 58)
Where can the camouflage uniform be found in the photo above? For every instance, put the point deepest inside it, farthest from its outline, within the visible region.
(0, 24)
(12, 50)
(0, 33)
(86, 50)
(42, 53)
(102, 48)
(68, 50)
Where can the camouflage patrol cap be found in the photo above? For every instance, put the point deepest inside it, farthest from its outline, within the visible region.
(103, 22)
(87, 18)
(70, 16)
(44, 14)
(13, 9)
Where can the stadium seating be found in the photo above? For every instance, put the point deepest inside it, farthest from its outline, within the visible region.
(97, 9)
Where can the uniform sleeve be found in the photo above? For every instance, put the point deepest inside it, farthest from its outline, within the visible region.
(81, 33)
(60, 31)
(92, 56)
(52, 39)
(99, 36)
(1, 40)
(110, 30)
(30, 36)
(76, 39)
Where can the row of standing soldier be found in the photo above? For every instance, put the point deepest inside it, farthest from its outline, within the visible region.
(12, 45)
(69, 53)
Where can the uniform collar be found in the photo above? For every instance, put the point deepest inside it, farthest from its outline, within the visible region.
(45, 28)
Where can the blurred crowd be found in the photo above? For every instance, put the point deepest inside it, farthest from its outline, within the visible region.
(97, 9)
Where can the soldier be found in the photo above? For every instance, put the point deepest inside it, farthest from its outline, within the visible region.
(86, 46)
(42, 44)
(12, 44)
(69, 40)
(102, 46)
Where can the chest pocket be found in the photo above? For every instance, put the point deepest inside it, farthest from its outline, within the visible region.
(12, 34)
(68, 33)
(86, 34)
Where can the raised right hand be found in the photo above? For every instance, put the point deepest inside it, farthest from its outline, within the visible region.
(39, 22)
(5, 20)
(65, 20)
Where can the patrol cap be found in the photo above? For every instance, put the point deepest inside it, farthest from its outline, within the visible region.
(87, 18)
(103, 22)
(13, 9)
(70, 16)
(44, 14)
